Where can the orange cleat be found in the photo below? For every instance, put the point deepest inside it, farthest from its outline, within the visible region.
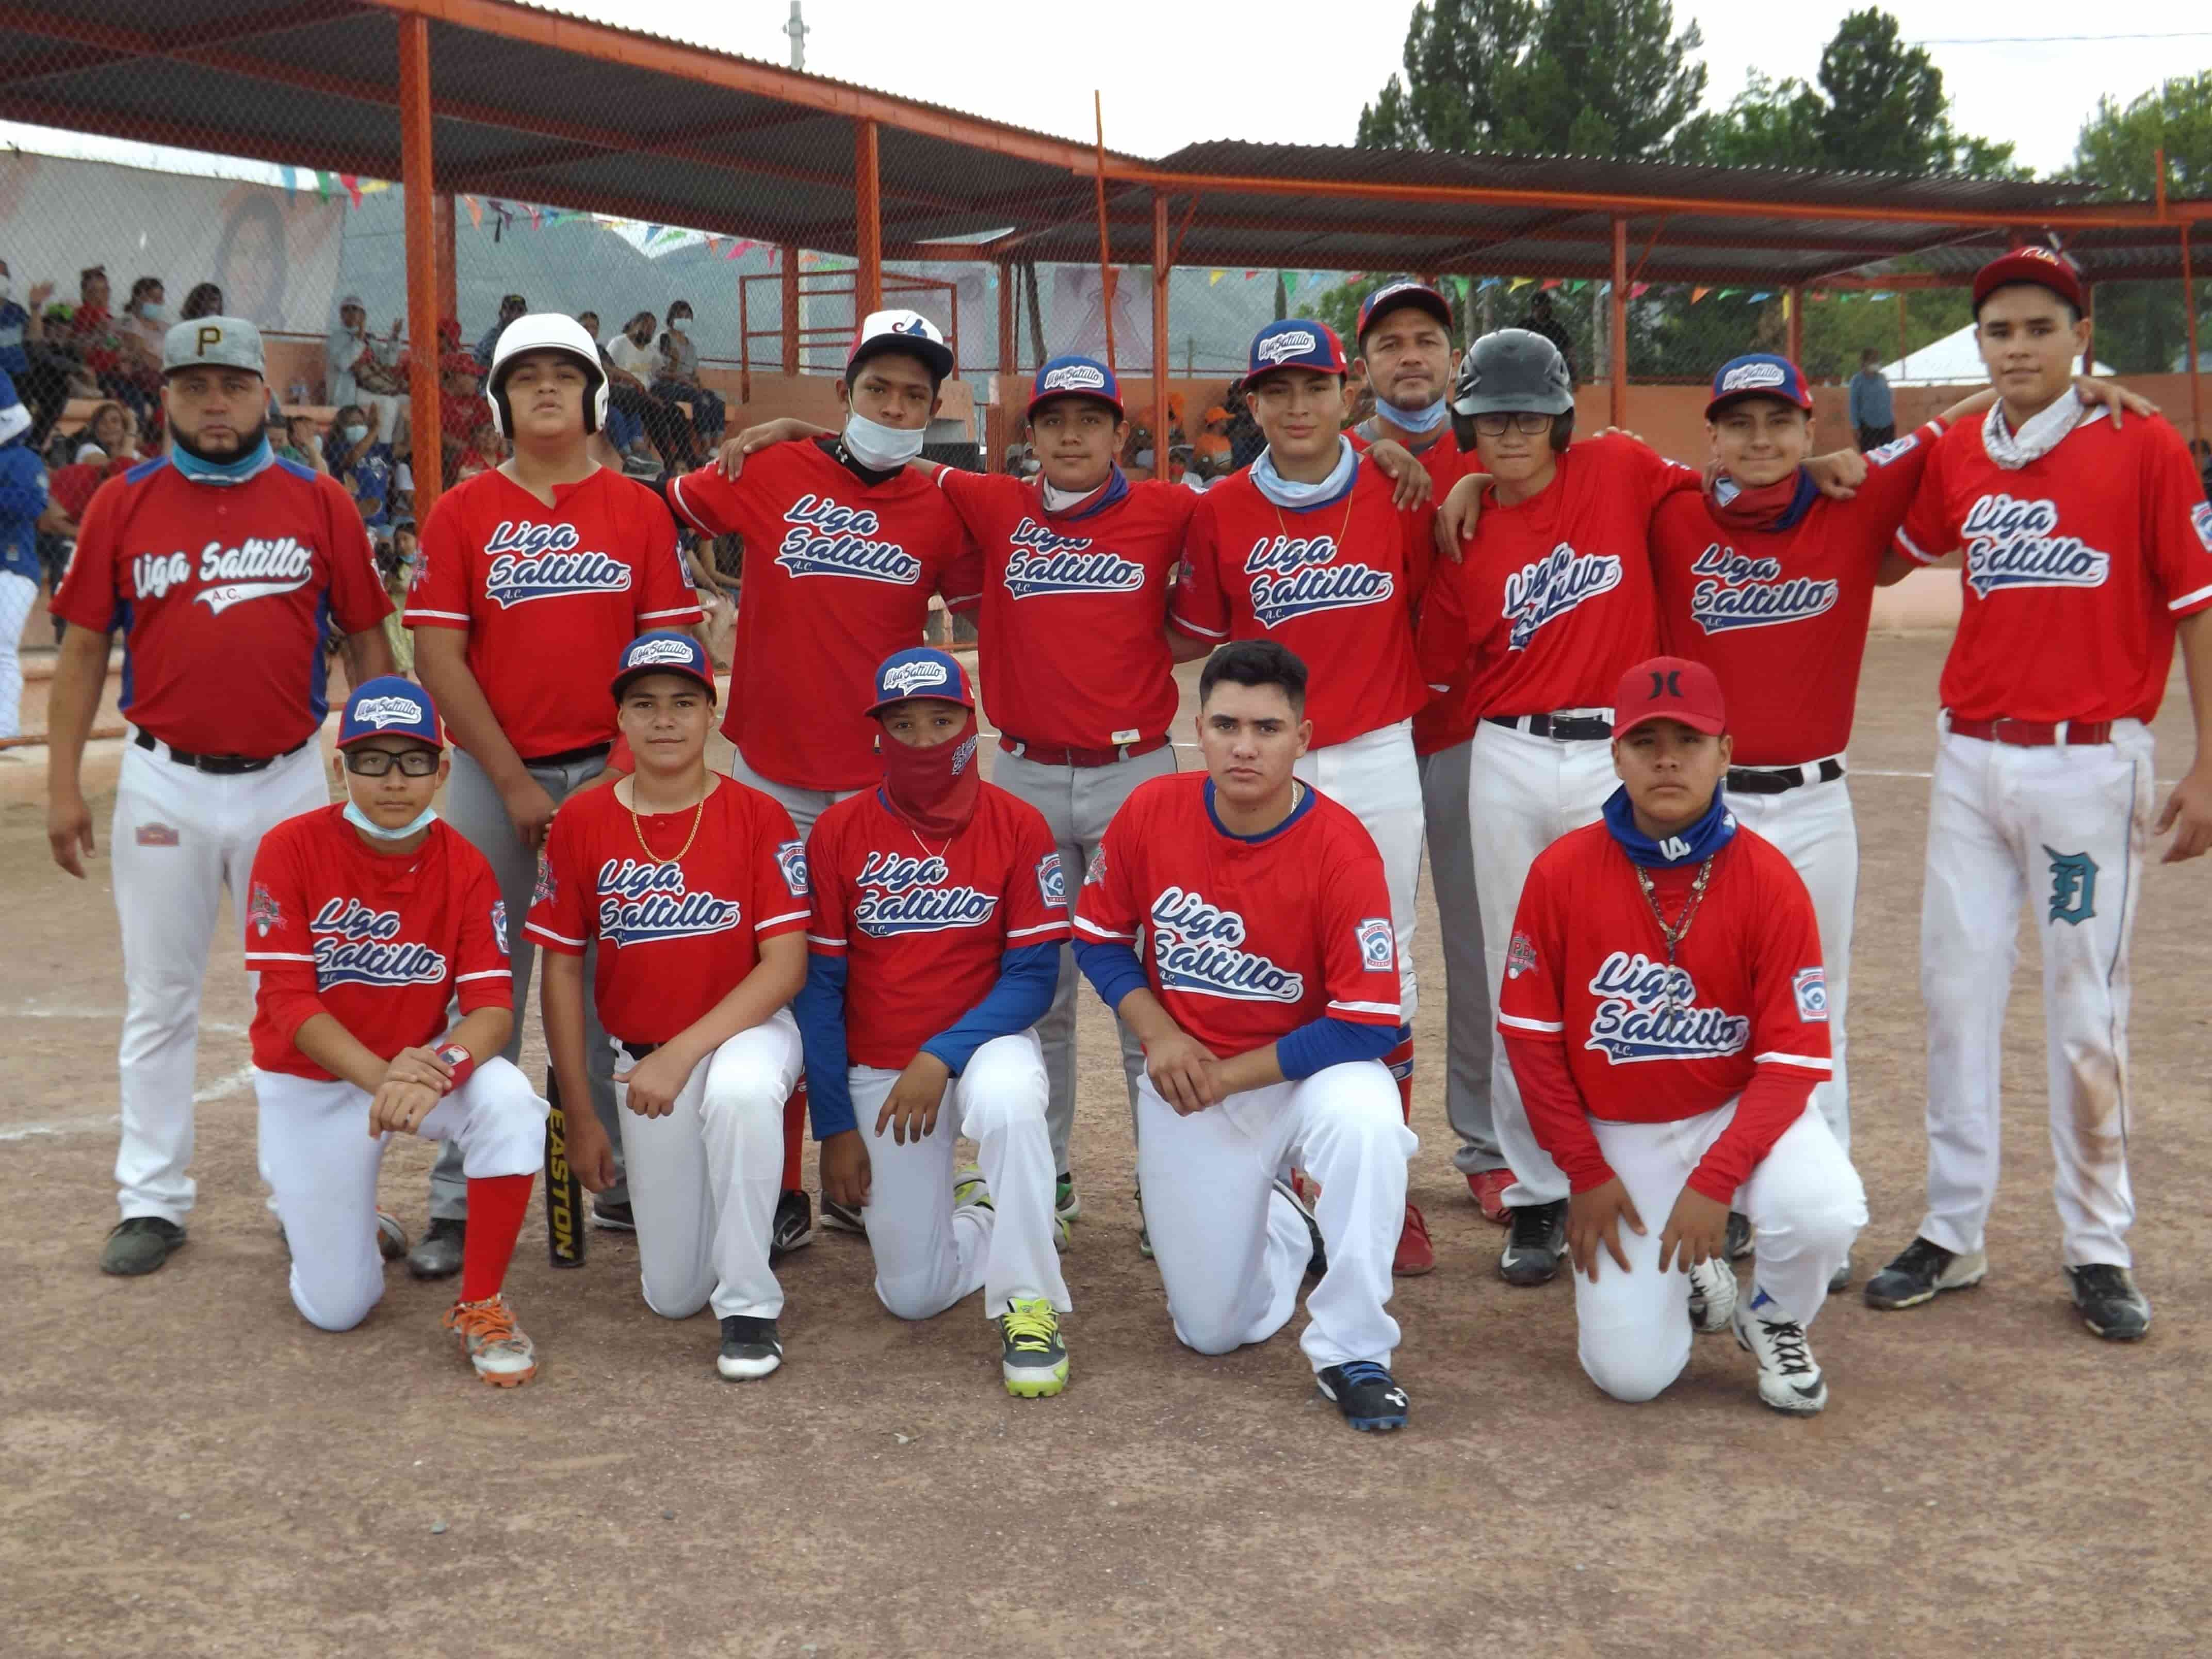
(1415, 1255)
(1489, 1190)
(501, 1354)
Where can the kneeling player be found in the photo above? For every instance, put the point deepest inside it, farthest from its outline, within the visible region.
(692, 887)
(364, 921)
(940, 911)
(1267, 1001)
(1665, 1012)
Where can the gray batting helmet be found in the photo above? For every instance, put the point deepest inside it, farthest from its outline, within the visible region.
(1506, 372)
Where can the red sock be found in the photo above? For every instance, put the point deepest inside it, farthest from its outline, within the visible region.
(794, 1135)
(1399, 1060)
(495, 1208)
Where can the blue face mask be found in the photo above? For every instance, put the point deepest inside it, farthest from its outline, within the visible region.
(883, 448)
(369, 826)
(1714, 829)
(1291, 494)
(353, 435)
(222, 472)
(1414, 420)
(156, 312)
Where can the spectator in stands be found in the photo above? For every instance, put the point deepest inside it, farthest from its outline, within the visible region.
(678, 381)
(631, 357)
(362, 461)
(1539, 321)
(112, 436)
(297, 439)
(511, 307)
(94, 334)
(396, 562)
(42, 386)
(205, 301)
(363, 368)
(23, 499)
(1873, 415)
(142, 330)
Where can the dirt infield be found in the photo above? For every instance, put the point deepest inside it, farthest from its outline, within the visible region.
(186, 1467)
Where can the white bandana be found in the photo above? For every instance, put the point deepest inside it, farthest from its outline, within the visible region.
(2038, 435)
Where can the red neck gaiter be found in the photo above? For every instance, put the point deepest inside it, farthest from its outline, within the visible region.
(1774, 507)
(934, 789)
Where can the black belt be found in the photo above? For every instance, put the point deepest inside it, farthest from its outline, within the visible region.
(1565, 729)
(219, 765)
(571, 757)
(1776, 780)
(637, 1050)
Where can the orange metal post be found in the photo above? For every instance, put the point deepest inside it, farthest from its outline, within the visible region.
(1620, 321)
(789, 258)
(420, 214)
(1797, 325)
(867, 222)
(1160, 269)
(2195, 362)
(449, 274)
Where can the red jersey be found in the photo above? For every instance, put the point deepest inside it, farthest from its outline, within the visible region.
(380, 943)
(1074, 654)
(1552, 602)
(1336, 584)
(923, 928)
(838, 575)
(676, 935)
(1780, 617)
(1245, 940)
(549, 594)
(2077, 565)
(220, 593)
(1587, 968)
(1450, 718)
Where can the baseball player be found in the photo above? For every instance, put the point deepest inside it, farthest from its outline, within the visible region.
(2087, 552)
(940, 911)
(1266, 1000)
(1306, 547)
(860, 543)
(1664, 1011)
(363, 923)
(694, 888)
(218, 563)
(547, 561)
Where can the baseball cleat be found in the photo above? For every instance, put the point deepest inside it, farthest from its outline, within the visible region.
(1788, 1380)
(1841, 1278)
(1922, 1270)
(613, 1217)
(2109, 1302)
(1738, 1236)
(496, 1346)
(751, 1348)
(1712, 1294)
(139, 1245)
(1533, 1248)
(1032, 1357)
(1066, 1202)
(794, 1225)
(1488, 1191)
(1415, 1255)
(437, 1255)
(969, 1187)
(1317, 1262)
(1366, 1394)
(840, 1218)
(391, 1236)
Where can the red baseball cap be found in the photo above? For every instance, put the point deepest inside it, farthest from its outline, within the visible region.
(1669, 689)
(2039, 265)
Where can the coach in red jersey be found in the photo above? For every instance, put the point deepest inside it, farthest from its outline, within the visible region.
(219, 564)
(939, 911)
(2089, 552)
(547, 561)
(1665, 1010)
(1267, 998)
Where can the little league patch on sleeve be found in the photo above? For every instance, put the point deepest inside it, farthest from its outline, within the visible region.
(1377, 945)
(1520, 956)
(262, 911)
(1052, 882)
(1810, 987)
(548, 886)
(791, 859)
(499, 923)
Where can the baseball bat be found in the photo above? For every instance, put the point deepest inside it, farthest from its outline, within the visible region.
(564, 1193)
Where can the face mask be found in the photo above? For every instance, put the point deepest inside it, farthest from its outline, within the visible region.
(369, 826)
(353, 435)
(680, 325)
(156, 312)
(1414, 420)
(879, 447)
(935, 789)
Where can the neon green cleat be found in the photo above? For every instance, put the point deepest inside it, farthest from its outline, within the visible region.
(1034, 1360)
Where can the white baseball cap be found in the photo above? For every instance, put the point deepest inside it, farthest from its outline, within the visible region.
(909, 332)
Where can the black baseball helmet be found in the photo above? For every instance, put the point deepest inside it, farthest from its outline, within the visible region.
(1512, 371)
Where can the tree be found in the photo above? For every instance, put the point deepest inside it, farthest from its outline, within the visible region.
(2141, 326)
(1454, 93)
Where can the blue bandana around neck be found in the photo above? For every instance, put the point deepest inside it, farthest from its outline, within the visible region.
(1115, 487)
(1414, 420)
(1693, 846)
(222, 472)
(1303, 497)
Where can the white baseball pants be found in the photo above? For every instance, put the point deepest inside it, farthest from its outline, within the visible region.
(1813, 826)
(18, 593)
(2063, 829)
(929, 1255)
(1805, 1204)
(1078, 803)
(1526, 792)
(1233, 1250)
(321, 1160)
(1470, 1022)
(1375, 778)
(704, 1179)
(178, 838)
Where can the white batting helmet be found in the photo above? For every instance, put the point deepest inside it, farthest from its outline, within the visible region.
(547, 331)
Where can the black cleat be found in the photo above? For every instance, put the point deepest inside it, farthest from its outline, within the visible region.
(751, 1348)
(613, 1217)
(841, 1218)
(1738, 1236)
(1922, 1270)
(1366, 1394)
(1537, 1241)
(1318, 1263)
(139, 1245)
(2110, 1303)
(437, 1254)
(795, 1226)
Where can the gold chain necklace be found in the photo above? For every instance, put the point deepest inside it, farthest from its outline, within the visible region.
(1282, 526)
(637, 827)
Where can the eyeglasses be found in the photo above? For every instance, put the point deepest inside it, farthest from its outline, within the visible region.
(375, 763)
(1494, 426)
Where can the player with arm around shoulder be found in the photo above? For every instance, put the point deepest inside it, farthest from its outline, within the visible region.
(1266, 1000)
(363, 923)
(1665, 1011)
(692, 888)
(940, 911)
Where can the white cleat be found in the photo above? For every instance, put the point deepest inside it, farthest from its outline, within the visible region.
(1713, 1295)
(1790, 1379)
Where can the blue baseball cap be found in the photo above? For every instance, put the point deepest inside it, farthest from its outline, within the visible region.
(1075, 377)
(1758, 375)
(664, 651)
(1297, 343)
(1392, 295)
(922, 670)
(389, 707)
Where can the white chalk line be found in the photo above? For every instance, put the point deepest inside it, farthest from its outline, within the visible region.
(35, 1011)
(222, 1089)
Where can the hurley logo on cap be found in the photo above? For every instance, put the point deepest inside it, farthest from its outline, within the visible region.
(1295, 343)
(380, 712)
(1073, 377)
(907, 678)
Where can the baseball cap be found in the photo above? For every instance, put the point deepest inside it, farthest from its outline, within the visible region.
(351, 302)
(1671, 688)
(1075, 377)
(1391, 296)
(900, 330)
(214, 342)
(389, 707)
(1216, 413)
(920, 670)
(1297, 343)
(664, 651)
(2039, 265)
(1758, 375)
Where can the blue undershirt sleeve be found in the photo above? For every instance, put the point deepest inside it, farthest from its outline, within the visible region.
(819, 1008)
(1326, 1042)
(1027, 978)
(1112, 969)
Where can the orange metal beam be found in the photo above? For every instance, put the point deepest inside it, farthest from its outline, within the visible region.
(867, 219)
(787, 288)
(2195, 362)
(419, 207)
